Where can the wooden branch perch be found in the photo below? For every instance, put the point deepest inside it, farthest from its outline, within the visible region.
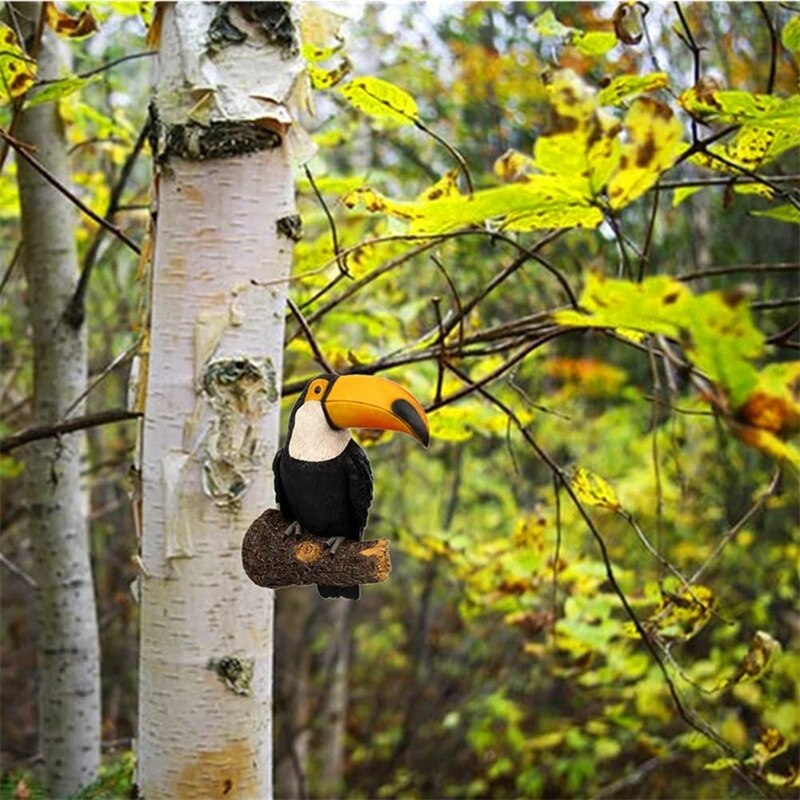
(272, 559)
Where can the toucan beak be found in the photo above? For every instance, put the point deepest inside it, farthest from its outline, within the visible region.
(366, 401)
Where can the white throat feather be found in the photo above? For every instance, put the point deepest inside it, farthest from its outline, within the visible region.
(312, 437)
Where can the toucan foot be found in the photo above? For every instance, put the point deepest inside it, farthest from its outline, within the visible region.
(333, 543)
(294, 529)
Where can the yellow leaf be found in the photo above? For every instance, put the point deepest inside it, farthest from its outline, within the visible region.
(326, 78)
(763, 649)
(593, 490)
(624, 87)
(513, 166)
(17, 71)
(380, 99)
(446, 186)
(653, 145)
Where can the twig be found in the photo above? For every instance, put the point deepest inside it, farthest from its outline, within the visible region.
(689, 716)
(103, 67)
(306, 328)
(645, 256)
(770, 304)
(710, 272)
(743, 520)
(773, 55)
(688, 39)
(37, 432)
(53, 181)
(454, 292)
(102, 375)
(340, 261)
(75, 311)
(459, 159)
(18, 571)
(11, 264)
(440, 361)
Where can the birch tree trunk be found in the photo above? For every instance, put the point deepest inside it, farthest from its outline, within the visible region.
(69, 653)
(225, 215)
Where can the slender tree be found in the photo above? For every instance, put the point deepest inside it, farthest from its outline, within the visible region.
(225, 223)
(69, 702)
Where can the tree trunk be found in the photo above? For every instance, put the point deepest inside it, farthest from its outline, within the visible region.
(220, 265)
(68, 639)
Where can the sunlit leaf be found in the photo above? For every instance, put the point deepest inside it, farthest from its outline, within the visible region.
(59, 89)
(790, 35)
(593, 43)
(625, 87)
(654, 143)
(17, 71)
(380, 99)
(752, 146)
(326, 78)
(735, 107)
(513, 166)
(446, 186)
(593, 490)
(683, 193)
(784, 213)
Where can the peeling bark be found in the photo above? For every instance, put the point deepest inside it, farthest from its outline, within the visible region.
(212, 402)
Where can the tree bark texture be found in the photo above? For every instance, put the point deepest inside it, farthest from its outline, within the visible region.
(212, 414)
(274, 559)
(69, 653)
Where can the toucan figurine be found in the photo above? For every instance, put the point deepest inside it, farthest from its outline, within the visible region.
(323, 481)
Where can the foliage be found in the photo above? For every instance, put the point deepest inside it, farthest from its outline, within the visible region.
(584, 263)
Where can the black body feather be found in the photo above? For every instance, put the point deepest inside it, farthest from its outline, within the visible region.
(328, 498)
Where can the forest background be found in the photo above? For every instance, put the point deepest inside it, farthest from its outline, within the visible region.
(611, 378)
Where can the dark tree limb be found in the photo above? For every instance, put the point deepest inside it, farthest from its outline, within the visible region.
(272, 559)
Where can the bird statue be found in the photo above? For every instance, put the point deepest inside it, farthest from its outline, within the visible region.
(323, 480)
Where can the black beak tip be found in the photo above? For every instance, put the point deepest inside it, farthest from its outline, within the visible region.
(406, 412)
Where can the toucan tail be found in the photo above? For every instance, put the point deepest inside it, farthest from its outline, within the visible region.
(349, 592)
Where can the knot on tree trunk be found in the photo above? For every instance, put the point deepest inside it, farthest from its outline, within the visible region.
(274, 559)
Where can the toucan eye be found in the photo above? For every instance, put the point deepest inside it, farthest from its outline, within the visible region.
(317, 389)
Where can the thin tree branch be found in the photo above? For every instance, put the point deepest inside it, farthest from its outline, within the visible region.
(53, 181)
(773, 54)
(104, 67)
(10, 268)
(76, 308)
(341, 262)
(306, 328)
(710, 272)
(94, 420)
(689, 716)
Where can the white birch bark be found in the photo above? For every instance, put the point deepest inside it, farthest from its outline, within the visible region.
(211, 421)
(69, 653)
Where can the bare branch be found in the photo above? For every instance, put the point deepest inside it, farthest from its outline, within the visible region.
(37, 432)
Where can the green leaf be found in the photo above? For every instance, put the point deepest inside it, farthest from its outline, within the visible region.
(683, 193)
(380, 99)
(594, 43)
(736, 107)
(624, 87)
(790, 35)
(59, 89)
(784, 213)
(590, 43)
(715, 328)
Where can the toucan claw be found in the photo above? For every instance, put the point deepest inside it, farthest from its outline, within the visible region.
(333, 543)
(294, 529)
